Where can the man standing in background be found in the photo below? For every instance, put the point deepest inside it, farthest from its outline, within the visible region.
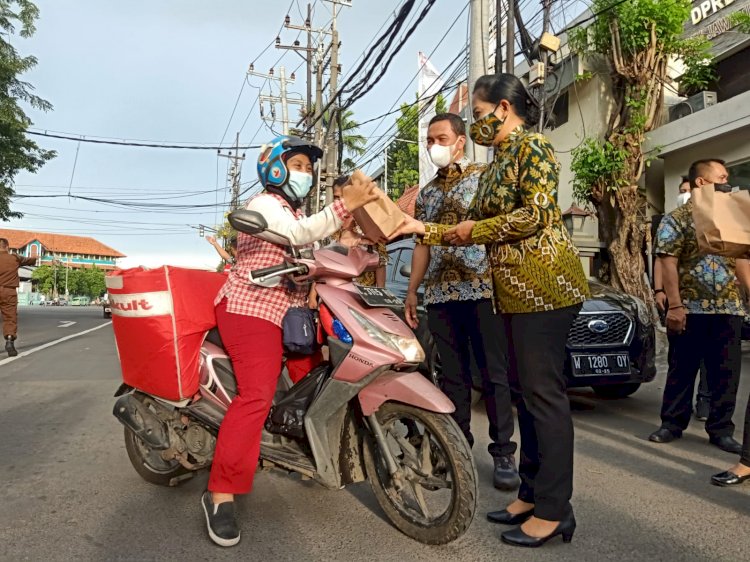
(458, 296)
(9, 264)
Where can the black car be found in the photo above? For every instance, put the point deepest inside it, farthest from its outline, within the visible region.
(611, 346)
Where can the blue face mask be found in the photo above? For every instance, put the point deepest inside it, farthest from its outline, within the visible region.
(298, 185)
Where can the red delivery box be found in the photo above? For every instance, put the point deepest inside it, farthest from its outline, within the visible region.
(160, 318)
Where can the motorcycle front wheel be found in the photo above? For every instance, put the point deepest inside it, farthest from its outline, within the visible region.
(432, 497)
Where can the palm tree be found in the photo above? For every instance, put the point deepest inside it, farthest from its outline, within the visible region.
(354, 143)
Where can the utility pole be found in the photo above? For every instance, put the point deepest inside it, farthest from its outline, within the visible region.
(234, 171)
(498, 36)
(280, 99)
(478, 46)
(510, 39)
(546, 6)
(331, 143)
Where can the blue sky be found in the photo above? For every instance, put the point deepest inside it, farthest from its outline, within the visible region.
(171, 70)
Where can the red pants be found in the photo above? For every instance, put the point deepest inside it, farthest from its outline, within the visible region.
(254, 346)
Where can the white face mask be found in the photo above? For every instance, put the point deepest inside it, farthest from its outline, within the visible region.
(442, 156)
(299, 184)
(683, 198)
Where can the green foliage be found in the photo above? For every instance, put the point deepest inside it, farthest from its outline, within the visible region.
(634, 19)
(700, 70)
(742, 22)
(17, 151)
(403, 157)
(83, 282)
(597, 166)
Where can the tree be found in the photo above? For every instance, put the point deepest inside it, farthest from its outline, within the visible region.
(403, 150)
(17, 151)
(353, 143)
(637, 40)
(81, 282)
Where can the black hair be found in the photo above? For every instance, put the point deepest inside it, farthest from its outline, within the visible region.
(457, 124)
(341, 181)
(698, 168)
(494, 88)
(684, 179)
(233, 242)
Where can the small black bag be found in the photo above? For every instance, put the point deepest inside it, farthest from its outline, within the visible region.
(300, 331)
(288, 416)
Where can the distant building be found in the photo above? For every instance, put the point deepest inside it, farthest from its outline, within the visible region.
(69, 251)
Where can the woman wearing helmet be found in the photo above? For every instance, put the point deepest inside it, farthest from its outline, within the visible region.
(249, 316)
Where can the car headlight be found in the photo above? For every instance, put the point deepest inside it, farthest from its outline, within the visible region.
(408, 347)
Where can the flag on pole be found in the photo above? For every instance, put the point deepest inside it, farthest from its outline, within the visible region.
(430, 84)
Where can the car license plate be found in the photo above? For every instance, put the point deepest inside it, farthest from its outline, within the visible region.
(377, 297)
(107, 309)
(586, 365)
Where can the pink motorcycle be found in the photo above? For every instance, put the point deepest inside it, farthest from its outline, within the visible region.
(365, 414)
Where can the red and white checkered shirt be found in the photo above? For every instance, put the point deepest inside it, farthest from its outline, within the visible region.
(267, 303)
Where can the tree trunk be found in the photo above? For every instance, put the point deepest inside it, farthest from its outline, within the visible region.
(624, 238)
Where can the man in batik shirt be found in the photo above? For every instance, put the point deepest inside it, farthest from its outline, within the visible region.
(458, 296)
(704, 319)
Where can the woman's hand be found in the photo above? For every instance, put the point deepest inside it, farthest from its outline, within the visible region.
(359, 193)
(460, 235)
(212, 240)
(410, 226)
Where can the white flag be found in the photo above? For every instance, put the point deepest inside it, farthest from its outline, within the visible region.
(430, 84)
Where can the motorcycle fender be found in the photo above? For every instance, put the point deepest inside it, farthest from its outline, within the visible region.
(408, 388)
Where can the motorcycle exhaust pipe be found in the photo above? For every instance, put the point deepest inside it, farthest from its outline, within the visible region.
(133, 414)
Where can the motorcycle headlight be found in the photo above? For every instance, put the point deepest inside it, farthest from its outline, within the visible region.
(408, 347)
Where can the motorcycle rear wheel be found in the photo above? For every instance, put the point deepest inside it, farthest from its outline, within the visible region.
(433, 456)
(148, 463)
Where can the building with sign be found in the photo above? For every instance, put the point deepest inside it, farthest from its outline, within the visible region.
(712, 124)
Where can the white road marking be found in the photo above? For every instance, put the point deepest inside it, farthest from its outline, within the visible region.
(50, 344)
(67, 324)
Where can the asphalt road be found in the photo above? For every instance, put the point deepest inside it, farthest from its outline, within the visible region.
(69, 491)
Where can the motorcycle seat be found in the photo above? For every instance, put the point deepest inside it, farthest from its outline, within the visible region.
(214, 337)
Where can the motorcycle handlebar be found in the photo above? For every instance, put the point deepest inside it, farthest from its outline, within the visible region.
(283, 267)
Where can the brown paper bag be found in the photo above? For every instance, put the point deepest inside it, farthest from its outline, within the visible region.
(379, 219)
(722, 221)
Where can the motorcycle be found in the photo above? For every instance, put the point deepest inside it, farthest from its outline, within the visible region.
(366, 414)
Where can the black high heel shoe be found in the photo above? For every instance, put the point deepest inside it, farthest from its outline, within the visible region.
(517, 537)
(505, 517)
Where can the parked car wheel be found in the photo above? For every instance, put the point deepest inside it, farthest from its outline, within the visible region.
(615, 391)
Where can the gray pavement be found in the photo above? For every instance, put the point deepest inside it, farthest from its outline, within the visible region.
(70, 493)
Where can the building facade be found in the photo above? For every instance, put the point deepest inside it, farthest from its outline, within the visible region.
(65, 250)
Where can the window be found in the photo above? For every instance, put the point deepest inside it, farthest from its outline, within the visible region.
(559, 111)
(739, 174)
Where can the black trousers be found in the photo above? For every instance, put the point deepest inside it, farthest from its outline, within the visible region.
(537, 362)
(462, 329)
(715, 340)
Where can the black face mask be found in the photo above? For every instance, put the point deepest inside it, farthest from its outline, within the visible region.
(723, 187)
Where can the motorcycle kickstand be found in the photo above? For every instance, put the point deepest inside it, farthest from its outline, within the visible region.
(390, 462)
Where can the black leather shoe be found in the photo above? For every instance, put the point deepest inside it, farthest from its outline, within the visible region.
(663, 435)
(727, 443)
(9, 347)
(505, 476)
(517, 537)
(724, 479)
(504, 517)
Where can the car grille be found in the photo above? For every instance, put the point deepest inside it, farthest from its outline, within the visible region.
(619, 330)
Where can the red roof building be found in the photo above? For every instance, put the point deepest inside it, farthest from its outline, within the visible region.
(408, 200)
(67, 250)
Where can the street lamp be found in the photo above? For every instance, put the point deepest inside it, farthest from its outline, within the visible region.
(574, 218)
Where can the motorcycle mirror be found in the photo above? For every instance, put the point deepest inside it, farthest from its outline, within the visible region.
(249, 222)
